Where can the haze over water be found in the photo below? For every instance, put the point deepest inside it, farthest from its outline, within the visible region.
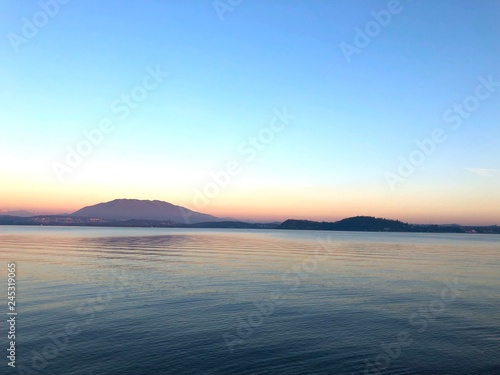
(191, 301)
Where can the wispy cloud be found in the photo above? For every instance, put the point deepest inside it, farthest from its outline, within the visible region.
(483, 171)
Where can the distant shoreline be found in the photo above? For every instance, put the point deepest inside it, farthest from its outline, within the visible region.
(353, 224)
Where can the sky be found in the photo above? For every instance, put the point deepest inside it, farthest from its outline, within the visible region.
(255, 110)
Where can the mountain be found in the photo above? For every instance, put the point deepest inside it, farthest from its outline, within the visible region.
(135, 209)
(372, 224)
(357, 223)
(20, 213)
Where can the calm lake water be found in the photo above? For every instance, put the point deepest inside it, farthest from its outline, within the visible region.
(194, 301)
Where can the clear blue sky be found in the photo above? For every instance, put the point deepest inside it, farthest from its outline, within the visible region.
(225, 78)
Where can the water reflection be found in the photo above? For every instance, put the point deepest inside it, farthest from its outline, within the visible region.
(169, 296)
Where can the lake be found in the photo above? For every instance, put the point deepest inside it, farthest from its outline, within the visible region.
(201, 301)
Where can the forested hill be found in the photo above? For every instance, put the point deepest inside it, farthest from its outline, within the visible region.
(373, 224)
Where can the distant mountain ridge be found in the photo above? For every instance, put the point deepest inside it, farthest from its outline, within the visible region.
(136, 209)
(159, 214)
(374, 224)
(357, 223)
(20, 213)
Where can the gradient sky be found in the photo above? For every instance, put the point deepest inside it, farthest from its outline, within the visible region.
(353, 121)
